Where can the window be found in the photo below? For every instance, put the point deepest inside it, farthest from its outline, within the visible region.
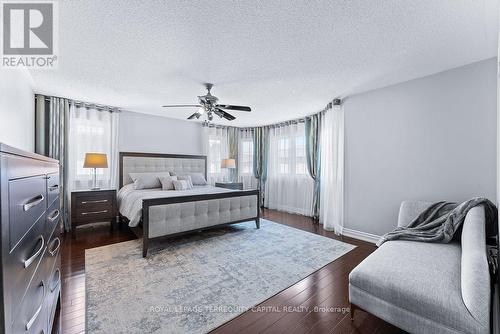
(216, 148)
(289, 186)
(215, 151)
(291, 155)
(246, 157)
(92, 131)
(300, 155)
(85, 130)
(283, 156)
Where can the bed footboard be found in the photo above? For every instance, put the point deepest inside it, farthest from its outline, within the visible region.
(162, 217)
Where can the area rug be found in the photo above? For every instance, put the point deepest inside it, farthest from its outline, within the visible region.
(196, 283)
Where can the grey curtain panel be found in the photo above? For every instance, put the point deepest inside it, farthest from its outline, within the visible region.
(313, 157)
(260, 152)
(233, 138)
(51, 139)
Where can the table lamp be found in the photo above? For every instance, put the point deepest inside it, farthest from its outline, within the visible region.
(228, 164)
(95, 160)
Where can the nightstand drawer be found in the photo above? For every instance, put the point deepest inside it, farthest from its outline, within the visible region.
(93, 206)
(94, 215)
(94, 203)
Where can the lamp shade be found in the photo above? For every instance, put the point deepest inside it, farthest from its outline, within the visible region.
(95, 160)
(228, 163)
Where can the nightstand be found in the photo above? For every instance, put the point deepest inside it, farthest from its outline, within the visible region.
(93, 206)
(230, 185)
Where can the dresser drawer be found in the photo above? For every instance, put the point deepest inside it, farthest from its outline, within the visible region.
(53, 188)
(53, 292)
(52, 219)
(53, 250)
(27, 202)
(31, 316)
(20, 265)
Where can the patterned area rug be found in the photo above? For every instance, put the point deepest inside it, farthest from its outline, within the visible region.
(196, 283)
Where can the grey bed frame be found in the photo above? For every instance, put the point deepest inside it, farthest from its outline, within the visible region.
(142, 230)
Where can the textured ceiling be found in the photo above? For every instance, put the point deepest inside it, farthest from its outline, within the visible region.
(285, 59)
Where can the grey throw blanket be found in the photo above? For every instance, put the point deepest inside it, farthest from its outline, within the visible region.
(440, 222)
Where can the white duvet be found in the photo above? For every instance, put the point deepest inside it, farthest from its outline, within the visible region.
(130, 199)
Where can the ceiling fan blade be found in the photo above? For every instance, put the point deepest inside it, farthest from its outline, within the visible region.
(195, 115)
(231, 107)
(182, 106)
(223, 114)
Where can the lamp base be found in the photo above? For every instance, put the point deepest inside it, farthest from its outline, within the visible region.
(94, 184)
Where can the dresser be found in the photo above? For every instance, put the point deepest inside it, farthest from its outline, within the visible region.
(93, 206)
(30, 241)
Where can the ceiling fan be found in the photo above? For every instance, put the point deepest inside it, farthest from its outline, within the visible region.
(208, 105)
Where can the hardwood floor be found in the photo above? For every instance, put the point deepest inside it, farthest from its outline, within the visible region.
(291, 311)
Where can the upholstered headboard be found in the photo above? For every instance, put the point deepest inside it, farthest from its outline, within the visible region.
(134, 162)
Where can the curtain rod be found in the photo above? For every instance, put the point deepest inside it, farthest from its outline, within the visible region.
(330, 105)
(84, 104)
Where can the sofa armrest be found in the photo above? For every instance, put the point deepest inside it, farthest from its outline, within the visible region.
(409, 210)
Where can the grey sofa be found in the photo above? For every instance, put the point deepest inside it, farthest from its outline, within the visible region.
(427, 287)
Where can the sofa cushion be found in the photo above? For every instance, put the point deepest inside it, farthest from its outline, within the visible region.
(422, 278)
(475, 280)
(409, 210)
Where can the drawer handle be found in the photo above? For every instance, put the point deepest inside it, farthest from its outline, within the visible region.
(54, 251)
(91, 202)
(54, 187)
(29, 261)
(93, 212)
(55, 215)
(58, 280)
(38, 310)
(33, 202)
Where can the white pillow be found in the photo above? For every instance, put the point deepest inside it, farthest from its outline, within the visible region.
(167, 182)
(148, 180)
(186, 178)
(198, 179)
(181, 184)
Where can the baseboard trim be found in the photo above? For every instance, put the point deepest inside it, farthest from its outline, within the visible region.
(368, 237)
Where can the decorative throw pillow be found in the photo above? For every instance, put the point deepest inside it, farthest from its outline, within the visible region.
(198, 179)
(186, 178)
(181, 184)
(147, 180)
(167, 182)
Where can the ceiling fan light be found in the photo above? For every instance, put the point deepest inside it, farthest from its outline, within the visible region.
(201, 110)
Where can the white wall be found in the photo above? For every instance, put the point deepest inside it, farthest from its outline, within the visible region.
(17, 110)
(155, 134)
(432, 138)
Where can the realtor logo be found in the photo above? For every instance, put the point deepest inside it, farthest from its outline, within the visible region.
(29, 34)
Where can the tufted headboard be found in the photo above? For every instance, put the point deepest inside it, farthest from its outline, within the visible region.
(134, 162)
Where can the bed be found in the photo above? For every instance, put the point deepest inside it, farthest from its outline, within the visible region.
(157, 214)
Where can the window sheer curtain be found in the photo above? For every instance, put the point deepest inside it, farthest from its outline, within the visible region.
(216, 148)
(245, 159)
(332, 170)
(289, 187)
(92, 130)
